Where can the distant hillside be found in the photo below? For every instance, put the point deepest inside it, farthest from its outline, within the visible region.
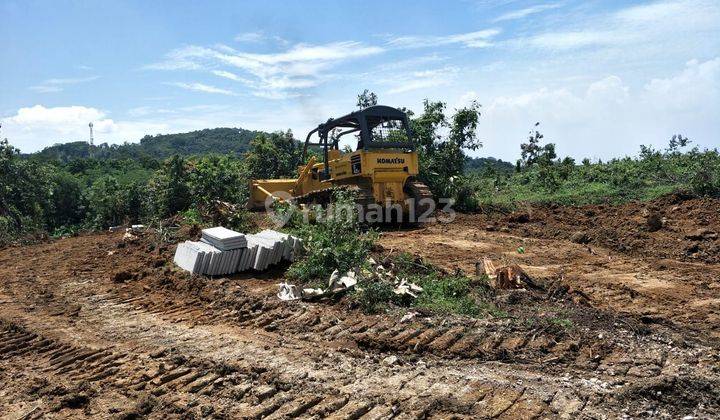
(210, 140)
(482, 163)
(161, 146)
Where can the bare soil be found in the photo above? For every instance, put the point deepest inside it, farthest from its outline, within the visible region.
(625, 323)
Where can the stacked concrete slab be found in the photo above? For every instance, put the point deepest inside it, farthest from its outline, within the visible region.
(223, 239)
(222, 251)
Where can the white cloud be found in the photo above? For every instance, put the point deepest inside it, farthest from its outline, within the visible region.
(38, 115)
(180, 59)
(327, 52)
(36, 126)
(608, 118)
(572, 39)
(281, 75)
(657, 11)
(698, 81)
(250, 37)
(55, 85)
(608, 90)
(519, 14)
(477, 39)
(651, 28)
(421, 79)
(201, 87)
(70, 81)
(46, 89)
(271, 75)
(227, 75)
(257, 37)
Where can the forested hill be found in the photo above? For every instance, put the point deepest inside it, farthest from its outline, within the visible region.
(234, 141)
(161, 146)
(482, 164)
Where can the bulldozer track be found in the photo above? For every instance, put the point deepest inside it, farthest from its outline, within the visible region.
(422, 197)
(416, 190)
(363, 195)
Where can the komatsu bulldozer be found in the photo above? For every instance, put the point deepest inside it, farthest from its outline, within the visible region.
(382, 170)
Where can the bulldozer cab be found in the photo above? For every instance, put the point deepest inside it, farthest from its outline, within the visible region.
(376, 128)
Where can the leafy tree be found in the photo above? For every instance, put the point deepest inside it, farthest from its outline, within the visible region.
(366, 99)
(533, 152)
(25, 193)
(275, 155)
(67, 205)
(216, 177)
(442, 157)
(107, 203)
(676, 142)
(168, 192)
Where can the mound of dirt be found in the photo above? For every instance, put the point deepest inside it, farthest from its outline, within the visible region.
(674, 226)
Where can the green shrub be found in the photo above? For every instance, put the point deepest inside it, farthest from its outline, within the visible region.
(111, 203)
(705, 174)
(25, 193)
(372, 296)
(192, 217)
(216, 177)
(445, 295)
(168, 191)
(275, 155)
(335, 242)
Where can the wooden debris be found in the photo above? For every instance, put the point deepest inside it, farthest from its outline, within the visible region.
(507, 277)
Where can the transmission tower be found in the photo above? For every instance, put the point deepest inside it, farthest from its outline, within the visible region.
(90, 143)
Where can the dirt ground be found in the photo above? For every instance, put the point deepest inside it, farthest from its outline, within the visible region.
(626, 322)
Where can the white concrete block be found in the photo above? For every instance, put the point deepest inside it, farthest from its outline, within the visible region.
(224, 239)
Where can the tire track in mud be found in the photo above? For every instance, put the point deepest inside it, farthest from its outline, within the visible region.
(605, 353)
(244, 388)
(244, 391)
(370, 333)
(232, 391)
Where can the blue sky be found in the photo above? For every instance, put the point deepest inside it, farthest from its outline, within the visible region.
(602, 77)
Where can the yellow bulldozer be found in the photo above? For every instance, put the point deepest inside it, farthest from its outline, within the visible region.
(381, 171)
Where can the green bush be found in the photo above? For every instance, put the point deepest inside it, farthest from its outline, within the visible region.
(216, 177)
(198, 183)
(68, 207)
(111, 203)
(168, 190)
(25, 193)
(373, 296)
(704, 176)
(276, 155)
(335, 242)
(450, 294)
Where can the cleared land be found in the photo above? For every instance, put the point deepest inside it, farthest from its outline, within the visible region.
(625, 323)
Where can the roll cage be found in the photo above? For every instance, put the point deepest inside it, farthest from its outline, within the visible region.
(368, 123)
